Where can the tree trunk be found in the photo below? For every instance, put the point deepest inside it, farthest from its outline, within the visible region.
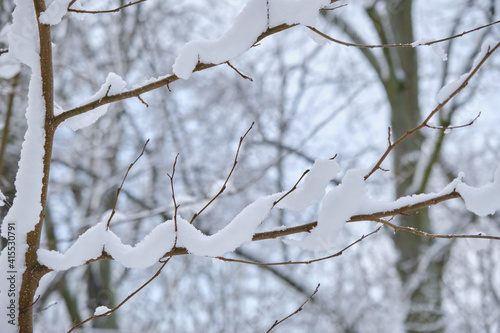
(403, 93)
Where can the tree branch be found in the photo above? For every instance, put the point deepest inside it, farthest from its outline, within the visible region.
(176, 206)
(433, 236)
(276, 323)
(102, 11)
(433, 112)
(306, 262)
(373, 46)
(165, 81)
(124, 301)
(123, 182)
(223, 188)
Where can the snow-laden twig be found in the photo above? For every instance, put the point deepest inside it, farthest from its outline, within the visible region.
(168, 79)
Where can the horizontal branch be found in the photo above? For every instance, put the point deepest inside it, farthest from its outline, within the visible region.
(306, 262)
(374, 46)
(357, 218)
(377, 216)
(104, 11)
(202, 66)
(151, 86)
(433, 236)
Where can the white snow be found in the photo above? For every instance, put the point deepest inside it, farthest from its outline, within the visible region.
(100, 310)
(314, 186)
(248, 26)
(162, 238)
(291, 12)
(337, 207)
(23, 34)
(55, 12)
(44, 283)
(2, 199)
(351, 198)
(9, 66)
(450, 88)
(147, 252)
(447, 91)
(421, 41)
(26, 206)
(88, 246)
(438, 49)
(484, 200)
(114, 85)
(343, 201)
(239, 231)
(370, 206)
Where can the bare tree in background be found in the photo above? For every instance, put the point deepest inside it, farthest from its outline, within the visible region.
(180, 117)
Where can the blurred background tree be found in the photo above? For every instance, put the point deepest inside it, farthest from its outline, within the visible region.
(308, 101)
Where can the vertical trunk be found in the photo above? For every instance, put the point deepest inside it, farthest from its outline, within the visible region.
(403, 93)
(34, 271)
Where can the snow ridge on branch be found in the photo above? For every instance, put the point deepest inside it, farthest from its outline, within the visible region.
(343, 201)
(253, 20)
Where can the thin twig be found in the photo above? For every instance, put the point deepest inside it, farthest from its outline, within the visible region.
(357, 218)
(240, 73)
(433, 112)
(454, 127)
(124, 301)
(433, 236)
(142, 101)
(71, 3)
(307, 262)
(309, 226)
(296, 184)
(326, 9)
(176, 206)
(102, 11)
(24, 310)
(293, 188)
(45, 308)
(276, 323)
(223, 188)
(201, 66)
(8, 204)
(123, 182)
(373, 46)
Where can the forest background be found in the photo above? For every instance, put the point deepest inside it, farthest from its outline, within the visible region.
(307, 100)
